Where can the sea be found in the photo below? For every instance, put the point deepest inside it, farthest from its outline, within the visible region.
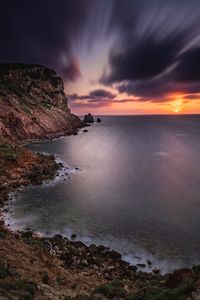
(131, 183)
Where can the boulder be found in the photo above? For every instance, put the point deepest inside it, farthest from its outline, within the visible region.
(98, 120)
(88, 118)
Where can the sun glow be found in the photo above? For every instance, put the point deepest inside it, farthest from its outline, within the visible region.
(177, 105)
(176, 110)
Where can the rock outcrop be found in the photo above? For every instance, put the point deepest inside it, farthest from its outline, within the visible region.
(89, 118)
(33, 103)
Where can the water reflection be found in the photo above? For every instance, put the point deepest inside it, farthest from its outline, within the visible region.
(137, 191)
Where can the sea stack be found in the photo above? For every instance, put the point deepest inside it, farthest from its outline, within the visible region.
(98, 120)
(88, 118)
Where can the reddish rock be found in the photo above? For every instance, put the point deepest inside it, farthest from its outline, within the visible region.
(33, 103)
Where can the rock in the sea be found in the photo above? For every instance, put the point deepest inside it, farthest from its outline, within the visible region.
(85, 130)
(88, 118)
(98, 120)
(141, 265)
(73, 236)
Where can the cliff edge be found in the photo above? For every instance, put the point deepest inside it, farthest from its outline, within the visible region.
(33, 103)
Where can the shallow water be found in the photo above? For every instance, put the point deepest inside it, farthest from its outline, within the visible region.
(138, 189)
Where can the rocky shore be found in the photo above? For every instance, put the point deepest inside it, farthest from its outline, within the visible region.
(35, 267)
(33, 106)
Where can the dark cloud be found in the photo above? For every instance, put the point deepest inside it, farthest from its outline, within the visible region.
(72, 71)
(192, 97)
(96, 98)
(101, 94)
(99, 102)
(155, 51)
(92, 103)
(158, 90)
(147, 89)
(44, 32)
(183, 78)
(144, 59)
(94, 95)
(188, 68)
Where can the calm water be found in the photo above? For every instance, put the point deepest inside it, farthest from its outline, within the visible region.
(138, 189)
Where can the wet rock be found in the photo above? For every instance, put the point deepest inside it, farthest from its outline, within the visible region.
(27, 234)
(56, 248)
(100, 248)
(79, 244)
(37, 234)
(85, 130)
(95, 267)
(156, 271)
(88, 118)
(143, 275)
(84, 262)
(98, 120)
(73, 236)
(149, 262)
(132, 268)
(116, 255)
(141, 265)
(107, 276)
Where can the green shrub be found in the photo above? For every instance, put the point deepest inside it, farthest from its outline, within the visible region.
(19, 285)
(4, 270)
(9, 151)
(114, 289)
(2, 235)
(179, 293)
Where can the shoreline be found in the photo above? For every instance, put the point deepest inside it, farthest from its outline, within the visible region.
(51, 137)
(102, 264)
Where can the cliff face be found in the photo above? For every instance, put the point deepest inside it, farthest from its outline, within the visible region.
(33, 103)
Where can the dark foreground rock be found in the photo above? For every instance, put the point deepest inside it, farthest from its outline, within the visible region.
(59, 268)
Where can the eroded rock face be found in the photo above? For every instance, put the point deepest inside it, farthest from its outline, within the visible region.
(33, 103)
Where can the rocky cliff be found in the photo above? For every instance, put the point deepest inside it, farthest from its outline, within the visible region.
(33, 103)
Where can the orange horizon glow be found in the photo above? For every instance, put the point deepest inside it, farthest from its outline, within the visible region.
(177, 104)
(92, 68)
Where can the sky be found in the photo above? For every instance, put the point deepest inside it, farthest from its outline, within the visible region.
(115, 56)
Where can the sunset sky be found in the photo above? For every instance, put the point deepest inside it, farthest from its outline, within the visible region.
(115, 56)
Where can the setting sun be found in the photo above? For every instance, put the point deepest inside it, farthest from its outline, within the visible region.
(177, 105)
